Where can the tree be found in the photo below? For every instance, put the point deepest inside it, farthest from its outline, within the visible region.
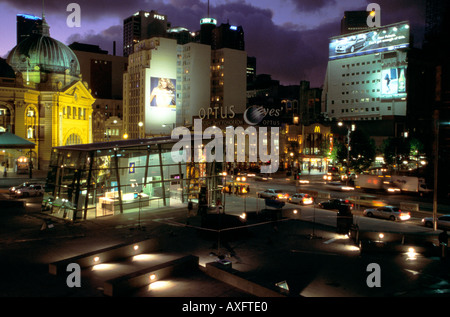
(362, 151)
(339, 153)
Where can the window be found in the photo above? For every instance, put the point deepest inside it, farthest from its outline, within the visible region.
(30, 132)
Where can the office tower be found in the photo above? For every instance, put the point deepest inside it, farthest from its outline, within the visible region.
(142, 25)
(354, 21)
(228, 79)
(27, 25)
(251, 69)
(228, 36)
(207, 26)
(366, 77)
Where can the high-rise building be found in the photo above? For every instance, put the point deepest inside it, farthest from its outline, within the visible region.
(27, 25)
(228, 79)
(354, 21)
(228, 36)
(142, 25)
(207, 26)
(366, 77)
(104, 75)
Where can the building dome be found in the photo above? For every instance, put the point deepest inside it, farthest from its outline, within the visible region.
(41, 53)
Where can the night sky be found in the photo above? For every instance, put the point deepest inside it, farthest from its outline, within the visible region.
(289, 38)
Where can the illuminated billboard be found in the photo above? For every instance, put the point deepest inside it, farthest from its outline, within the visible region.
(163, 92)
(393, 83)
(160, 104)
(375, 40)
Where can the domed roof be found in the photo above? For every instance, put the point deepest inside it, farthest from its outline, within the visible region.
(40, 52)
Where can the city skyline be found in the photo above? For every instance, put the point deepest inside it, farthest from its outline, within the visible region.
(298, 31)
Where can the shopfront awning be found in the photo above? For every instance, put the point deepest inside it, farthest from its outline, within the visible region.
(11, 141)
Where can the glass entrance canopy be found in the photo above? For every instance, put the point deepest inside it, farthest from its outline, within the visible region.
(108, 178)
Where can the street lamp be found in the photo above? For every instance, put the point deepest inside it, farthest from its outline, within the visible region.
(140, 124)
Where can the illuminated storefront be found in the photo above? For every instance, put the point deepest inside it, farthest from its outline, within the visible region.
(109, 178)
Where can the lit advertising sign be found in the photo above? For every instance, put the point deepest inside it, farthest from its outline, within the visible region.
(160, 105)
(393, 83)
(376, 40)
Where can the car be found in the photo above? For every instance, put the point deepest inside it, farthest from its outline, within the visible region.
(262, 177)
(350, 44)
(12, 190)
(387, 212)
(335, 204)
(273, 194)
(367, 201)
(339, 186)
(31, 190)
(301, 198)
(443, 222)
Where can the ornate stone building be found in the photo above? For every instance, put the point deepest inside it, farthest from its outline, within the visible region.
(43, 98)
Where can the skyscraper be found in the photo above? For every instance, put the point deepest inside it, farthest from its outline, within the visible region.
(228, 36)
(366, 78)
(142, 25)
(27, 25)
(354, 21)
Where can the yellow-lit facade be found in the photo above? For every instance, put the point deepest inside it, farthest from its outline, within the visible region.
(43, 99)
(46, 118)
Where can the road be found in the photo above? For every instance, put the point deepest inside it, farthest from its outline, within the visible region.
(288, 185)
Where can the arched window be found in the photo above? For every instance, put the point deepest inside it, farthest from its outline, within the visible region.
(73, 139)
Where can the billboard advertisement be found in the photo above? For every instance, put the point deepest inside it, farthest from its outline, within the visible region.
(393, 83)
(375, 40)
(160, 105)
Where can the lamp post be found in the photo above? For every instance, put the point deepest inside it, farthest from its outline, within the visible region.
(140, 124)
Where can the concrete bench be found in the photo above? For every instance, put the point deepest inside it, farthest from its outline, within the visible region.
(113, 253)
(229, 276)
(141, 278)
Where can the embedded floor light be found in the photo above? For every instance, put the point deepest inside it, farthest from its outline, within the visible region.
(135, 247)
(96, 259)
(152, 277)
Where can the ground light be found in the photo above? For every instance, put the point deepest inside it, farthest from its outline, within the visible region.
(160, 285)
(143, 257)
(103, 267)
(411, 254)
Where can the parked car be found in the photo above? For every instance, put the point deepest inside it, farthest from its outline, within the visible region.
(273, 194)
(387, 212)
(443, 222)
(301, 198)
(29, 191)
(335, 204)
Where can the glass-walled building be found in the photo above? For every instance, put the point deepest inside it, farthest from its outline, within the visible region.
(100, 179)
